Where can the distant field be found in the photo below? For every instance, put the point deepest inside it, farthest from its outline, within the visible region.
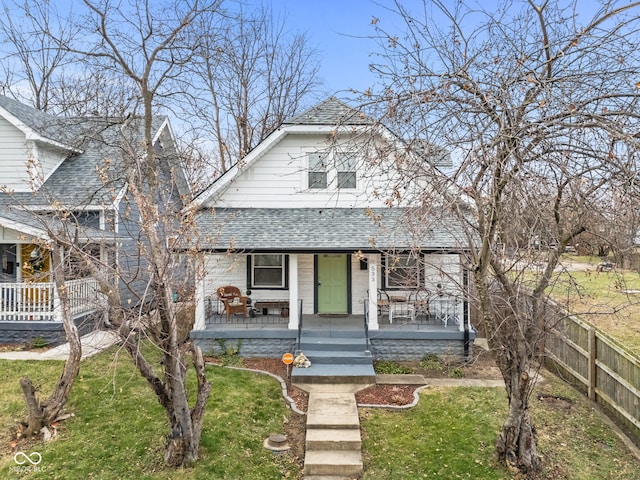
(608, 300)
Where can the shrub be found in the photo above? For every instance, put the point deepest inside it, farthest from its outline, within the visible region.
(388, 367)
(430, 361)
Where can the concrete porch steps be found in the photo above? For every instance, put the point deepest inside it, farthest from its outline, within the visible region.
(341, 357)
(334, 373)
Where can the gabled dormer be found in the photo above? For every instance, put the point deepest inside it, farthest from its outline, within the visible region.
(33, 145)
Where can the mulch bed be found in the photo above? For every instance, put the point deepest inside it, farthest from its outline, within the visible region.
(382, 395)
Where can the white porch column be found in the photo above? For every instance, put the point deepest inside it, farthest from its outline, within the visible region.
(373, 293)
(200, 294)
(293, 292)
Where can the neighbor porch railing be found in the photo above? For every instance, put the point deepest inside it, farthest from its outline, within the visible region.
(40, 301)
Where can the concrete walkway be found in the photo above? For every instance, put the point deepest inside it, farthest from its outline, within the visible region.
(333, 442)
(333, 445)
(92, 343)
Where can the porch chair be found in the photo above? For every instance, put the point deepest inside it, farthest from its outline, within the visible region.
(420, 300)
(383, 303)
(400, 307)
(233, 301)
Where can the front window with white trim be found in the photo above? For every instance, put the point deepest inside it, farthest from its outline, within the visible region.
(268, 271)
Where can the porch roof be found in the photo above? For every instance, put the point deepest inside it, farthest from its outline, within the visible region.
(326, 229)
(38, 225)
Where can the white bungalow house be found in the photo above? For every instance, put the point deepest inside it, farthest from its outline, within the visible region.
(317, 229)
(62, 174)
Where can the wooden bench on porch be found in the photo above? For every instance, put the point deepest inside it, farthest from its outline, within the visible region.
(263, 306)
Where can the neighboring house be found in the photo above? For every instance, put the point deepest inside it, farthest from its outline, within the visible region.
(65, 175)
(316, 227)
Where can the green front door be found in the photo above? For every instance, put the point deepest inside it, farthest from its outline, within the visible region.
(332, 293)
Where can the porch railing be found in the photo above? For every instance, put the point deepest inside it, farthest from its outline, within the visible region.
(299, 324)
(366, 324)
(40, 301)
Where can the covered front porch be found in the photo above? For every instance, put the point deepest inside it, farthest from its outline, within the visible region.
(33, 312)
(404, 338)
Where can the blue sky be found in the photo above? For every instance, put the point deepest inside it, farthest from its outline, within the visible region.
(339, 30)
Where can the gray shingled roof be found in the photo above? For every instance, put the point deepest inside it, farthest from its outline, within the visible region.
(77, 181)
(44, 223)
(45, 125)
(330, 112)
(329, 229)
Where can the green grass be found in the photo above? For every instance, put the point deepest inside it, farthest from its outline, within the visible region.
(119, 428)
(608, 300)
(451, 434)
(118, 431)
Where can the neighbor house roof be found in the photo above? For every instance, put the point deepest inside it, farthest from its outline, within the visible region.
(324, 229)
(92, 174)
(39, 226)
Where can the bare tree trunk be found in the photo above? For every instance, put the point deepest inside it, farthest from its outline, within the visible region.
(517, 442)
(34, 410)
(42, 414)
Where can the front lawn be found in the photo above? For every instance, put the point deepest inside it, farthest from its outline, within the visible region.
(451, 434)
(118, 427)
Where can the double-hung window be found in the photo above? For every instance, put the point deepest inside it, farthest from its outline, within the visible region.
(346, 167)
(402, 271)
(268, 271)
(318, 167)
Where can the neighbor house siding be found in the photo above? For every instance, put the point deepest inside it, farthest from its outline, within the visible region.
(13, 158)
(11, 236)
(15, 155)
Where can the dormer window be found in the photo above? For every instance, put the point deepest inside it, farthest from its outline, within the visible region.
(346, 167)
(331, 171)
(318, 170)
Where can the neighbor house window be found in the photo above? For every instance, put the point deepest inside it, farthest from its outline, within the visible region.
(346, 167)
(317, 170)
(268, 271)
(402, 271)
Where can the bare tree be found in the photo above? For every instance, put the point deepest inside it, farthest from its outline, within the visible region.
(34, 63)
(251, 74)
(529, 100)
(149, 49)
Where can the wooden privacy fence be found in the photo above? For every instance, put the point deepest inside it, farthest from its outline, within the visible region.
(605, 370)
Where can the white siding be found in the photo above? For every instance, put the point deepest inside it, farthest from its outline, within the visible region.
(49, 160)
(359, 284)
(279, 180)
(13, 157)
(305, 282)
(224, 270)
(22, 161)
(443, 270)
(11, 236)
